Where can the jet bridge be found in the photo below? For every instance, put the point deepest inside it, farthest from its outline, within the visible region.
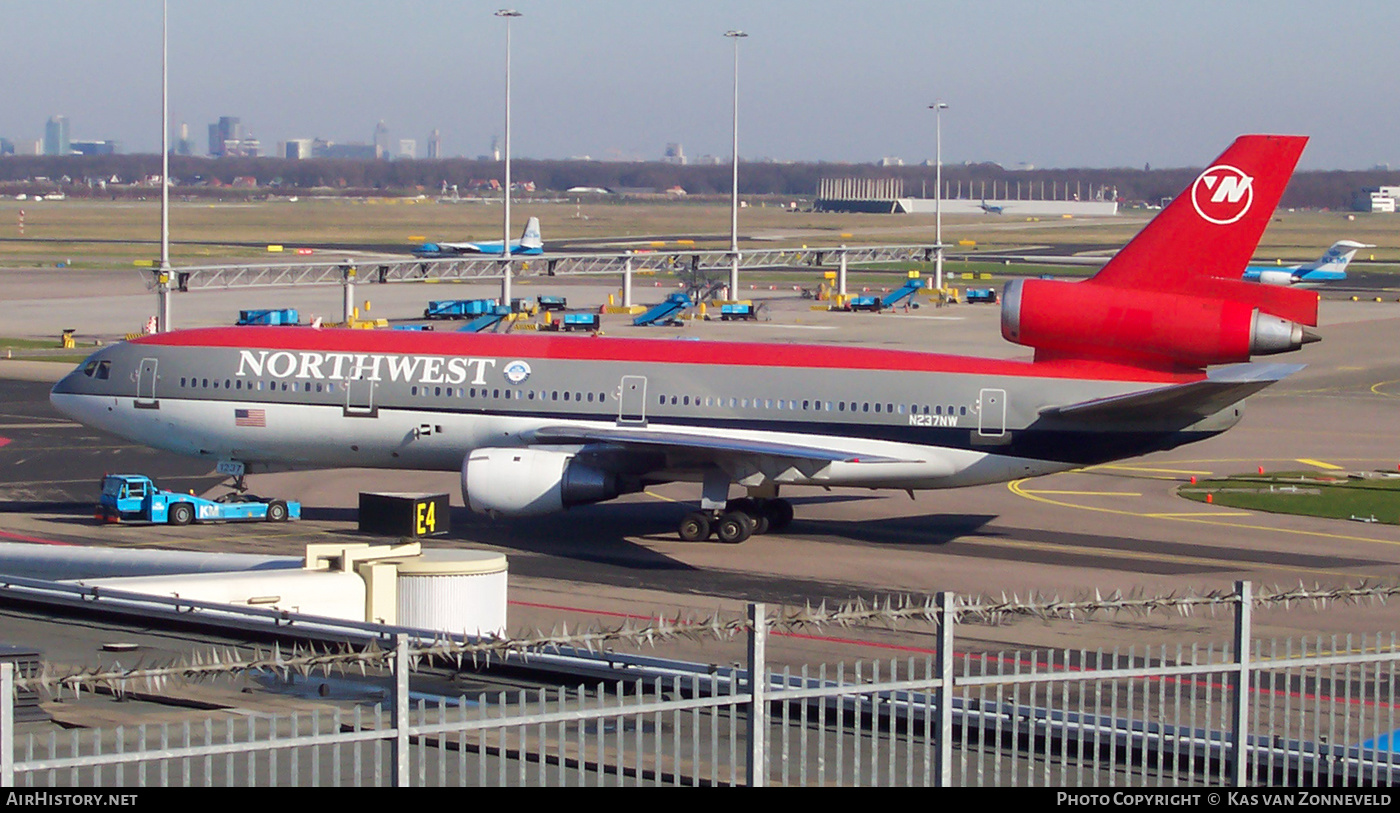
(350, 272)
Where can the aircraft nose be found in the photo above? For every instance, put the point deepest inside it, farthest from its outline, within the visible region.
(64, 386)
(68, 393)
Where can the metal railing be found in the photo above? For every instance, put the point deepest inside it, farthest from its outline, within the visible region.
(1220, 713)
(485, 268)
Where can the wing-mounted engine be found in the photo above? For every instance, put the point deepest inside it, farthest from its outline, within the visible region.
(530, 482)
(1173, 297)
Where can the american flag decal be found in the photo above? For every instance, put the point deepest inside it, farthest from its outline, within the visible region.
(249, 417)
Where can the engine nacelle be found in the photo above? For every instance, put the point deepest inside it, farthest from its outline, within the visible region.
(1163, 328)
(1276, 277)
(529, 482)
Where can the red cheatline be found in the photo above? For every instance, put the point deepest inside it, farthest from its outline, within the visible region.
(4, 441)
(23, 538)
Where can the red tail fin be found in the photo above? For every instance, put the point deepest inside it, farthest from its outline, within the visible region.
(1211, 229)
(1173, 296)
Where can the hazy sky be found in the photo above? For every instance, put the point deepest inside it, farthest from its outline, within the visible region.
(1057, 84)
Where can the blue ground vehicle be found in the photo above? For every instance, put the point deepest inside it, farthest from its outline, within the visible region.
(273, 316)
(135, 498)
(580, 320)
(737, 310)
(666, 313)
(458, 308)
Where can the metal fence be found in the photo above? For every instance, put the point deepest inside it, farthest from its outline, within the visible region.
(1245, 711)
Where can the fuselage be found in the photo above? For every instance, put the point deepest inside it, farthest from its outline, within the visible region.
(275, 398)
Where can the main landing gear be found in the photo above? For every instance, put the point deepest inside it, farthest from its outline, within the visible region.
(739, 520)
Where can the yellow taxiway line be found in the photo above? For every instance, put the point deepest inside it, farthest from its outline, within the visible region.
(1203, 517)
(1307, 461)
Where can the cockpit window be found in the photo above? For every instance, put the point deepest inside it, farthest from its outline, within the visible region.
(89, 368)
(104, 370)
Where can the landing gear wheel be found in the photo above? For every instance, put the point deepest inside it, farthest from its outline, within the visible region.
(754, 509)
(734, 527)
(779, 514)
(695, 527)
(276, 511)
(181, 513)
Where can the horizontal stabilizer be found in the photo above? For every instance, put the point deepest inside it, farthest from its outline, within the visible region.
(1197, 399)
(681, 440)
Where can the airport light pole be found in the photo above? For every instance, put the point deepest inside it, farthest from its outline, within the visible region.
(734, 198)
(938, 108)
(163, 275)
(507, 13)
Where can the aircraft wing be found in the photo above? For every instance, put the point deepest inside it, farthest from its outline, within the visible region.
(661, 441)
(1196, 399)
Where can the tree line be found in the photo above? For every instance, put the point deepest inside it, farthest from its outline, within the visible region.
(226, 177)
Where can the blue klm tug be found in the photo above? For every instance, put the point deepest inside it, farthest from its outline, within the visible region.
(135, 498)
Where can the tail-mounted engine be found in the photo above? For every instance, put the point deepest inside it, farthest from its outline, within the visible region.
(1216, 322)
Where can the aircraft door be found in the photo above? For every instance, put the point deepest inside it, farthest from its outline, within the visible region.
(632, 399)
(991, 413)
(146, 385)
(359, 398)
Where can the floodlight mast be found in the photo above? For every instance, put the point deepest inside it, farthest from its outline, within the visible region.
(938, 108)
(163, 275)
(508, 14)
(734, 195)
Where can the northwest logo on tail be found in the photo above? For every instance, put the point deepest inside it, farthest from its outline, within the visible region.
(1222, 194)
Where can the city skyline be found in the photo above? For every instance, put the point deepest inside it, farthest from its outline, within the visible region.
(1078, 84)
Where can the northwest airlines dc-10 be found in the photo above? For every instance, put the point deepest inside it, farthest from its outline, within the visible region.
(537, 423)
